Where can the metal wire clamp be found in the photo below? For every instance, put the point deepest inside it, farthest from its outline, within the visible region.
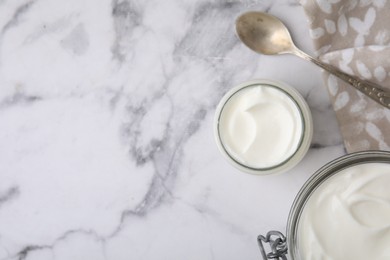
(278, 245)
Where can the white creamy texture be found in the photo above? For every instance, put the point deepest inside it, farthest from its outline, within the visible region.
(260, 126)
(348, 216)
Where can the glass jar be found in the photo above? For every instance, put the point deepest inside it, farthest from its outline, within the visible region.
(278, 242)
(303, 120)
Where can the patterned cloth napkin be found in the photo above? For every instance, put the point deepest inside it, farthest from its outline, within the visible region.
(354, 35)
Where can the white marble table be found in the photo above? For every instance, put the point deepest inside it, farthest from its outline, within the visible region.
(106, 141)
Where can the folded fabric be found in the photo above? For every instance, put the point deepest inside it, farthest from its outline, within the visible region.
(354, 36)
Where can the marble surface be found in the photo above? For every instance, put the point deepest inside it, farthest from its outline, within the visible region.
(106, 142)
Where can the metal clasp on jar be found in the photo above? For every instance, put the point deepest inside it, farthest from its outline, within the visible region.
(277, 243)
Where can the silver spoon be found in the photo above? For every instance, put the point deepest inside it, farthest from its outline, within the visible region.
(266, 34)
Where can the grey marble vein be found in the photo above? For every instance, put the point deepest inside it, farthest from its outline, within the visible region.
(212, 31)
(8, 195)
(127, 15)
(15, 20)
(23, 254)
(27, 250)
(18, 98)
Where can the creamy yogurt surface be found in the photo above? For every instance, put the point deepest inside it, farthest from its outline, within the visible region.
(348, 216)
(260, 126)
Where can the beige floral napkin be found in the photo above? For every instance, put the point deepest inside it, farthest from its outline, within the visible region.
(354, 35)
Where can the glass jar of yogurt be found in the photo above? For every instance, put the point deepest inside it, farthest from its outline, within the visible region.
(263, 127)
(341, 212)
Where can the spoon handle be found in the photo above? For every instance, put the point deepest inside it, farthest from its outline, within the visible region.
(372, 90)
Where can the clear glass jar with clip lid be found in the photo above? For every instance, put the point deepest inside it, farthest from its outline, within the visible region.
(341, 212)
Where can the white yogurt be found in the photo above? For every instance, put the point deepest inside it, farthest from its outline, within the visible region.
(348, 216)
(260, 126)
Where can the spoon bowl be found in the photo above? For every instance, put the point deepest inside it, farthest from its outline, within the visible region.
(266, 34)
